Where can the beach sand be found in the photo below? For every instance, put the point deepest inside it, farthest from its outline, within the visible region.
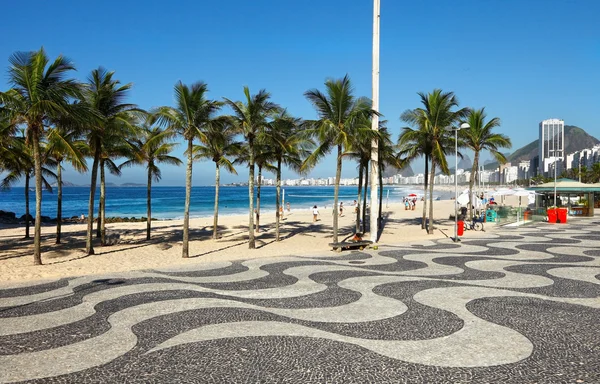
(299, 236)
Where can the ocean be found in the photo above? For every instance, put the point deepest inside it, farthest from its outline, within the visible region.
(168, 202)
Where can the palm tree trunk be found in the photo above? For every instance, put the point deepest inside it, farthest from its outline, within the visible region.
(188, 194)
(424, 220)
(365, 186)
(102, 206)
(258, 198)
(89, 247)
(360, 177)
(336, 190)
(149, 202)
(37, 237)
(431, 180)
(27, 205)
(216, 214)
(474, 174)
(59, 202)
(251, 244)
(277, 199)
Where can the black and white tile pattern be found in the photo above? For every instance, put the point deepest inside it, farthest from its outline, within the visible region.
(521, 305)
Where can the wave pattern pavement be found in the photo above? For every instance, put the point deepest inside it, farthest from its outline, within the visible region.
(520, 305)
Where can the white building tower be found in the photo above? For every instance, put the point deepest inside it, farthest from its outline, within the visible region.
(552, 143)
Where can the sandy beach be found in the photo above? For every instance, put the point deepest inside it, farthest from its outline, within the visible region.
(299, 236)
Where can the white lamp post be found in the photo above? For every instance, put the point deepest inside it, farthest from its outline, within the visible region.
(455, 129)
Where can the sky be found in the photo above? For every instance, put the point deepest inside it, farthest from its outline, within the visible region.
(523, 60)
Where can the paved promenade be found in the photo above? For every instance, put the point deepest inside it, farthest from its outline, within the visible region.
(521, 305)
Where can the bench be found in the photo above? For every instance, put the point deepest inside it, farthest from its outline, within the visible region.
(345, 245)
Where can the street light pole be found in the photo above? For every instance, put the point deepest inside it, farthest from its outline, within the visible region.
(462, 126)
(555, 166)
(374, 219)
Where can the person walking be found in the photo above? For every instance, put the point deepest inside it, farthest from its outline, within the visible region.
(315, 213)
(341, 209)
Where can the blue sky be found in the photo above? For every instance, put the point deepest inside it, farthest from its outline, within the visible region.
(523, 60)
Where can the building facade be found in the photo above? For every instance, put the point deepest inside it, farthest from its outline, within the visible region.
(551, 143)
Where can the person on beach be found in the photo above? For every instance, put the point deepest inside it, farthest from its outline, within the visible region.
(341, 209)
(315, 213)
(289, 207)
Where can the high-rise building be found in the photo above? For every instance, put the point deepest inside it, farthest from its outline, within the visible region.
(552, 142)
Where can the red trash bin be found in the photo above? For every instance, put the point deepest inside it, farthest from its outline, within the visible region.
(552, 215)
(460, 227)
(562, 215)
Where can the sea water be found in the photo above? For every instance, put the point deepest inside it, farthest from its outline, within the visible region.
(168, 202)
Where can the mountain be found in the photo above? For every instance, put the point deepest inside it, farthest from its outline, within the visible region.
(406, 171)
(64, 183)
(576, 139)
(465, 163)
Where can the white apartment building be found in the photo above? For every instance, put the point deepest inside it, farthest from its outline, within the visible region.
(523, 171)
(551, 142)
(511, 174)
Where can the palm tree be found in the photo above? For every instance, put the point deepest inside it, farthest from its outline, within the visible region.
(289, 147)
(595, 173)
(219, 145)
(414, 143)
(433, 120)
(388, 156)
(65, 143)
(20, 165)
(105, 97)
(41, 91)
(339, 113)
(250, 118)
(114, 146)
(192, 116)
(361, 152)
(479, 137)
(151, 148)
(263, 157)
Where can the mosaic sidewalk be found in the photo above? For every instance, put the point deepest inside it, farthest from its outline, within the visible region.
(518, 306)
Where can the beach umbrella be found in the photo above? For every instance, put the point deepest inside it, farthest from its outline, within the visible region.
(463, 199)
(412, 195)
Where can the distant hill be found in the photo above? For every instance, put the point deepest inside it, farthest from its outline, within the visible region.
(576, 139)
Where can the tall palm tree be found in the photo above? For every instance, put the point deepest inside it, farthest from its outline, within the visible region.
(151, 148)
(480, 137)
(41, 91)
(250, 118)
(219, 146)
(339, 113)
(288, 146)
(65, 144)
(433, 119)
(104, 96)
(191, 117)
